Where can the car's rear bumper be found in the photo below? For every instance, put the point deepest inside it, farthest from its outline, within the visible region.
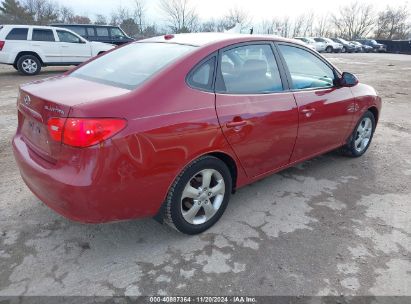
(6, 58)
(84, 193)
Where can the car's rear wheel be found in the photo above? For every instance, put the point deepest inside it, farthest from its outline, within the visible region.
(329, 49)
(29, 65)
(361, 137)
(344, 50)
(199, 196)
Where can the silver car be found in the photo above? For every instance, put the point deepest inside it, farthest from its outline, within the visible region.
(318, 46)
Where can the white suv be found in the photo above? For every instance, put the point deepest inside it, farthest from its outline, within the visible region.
(29, 47)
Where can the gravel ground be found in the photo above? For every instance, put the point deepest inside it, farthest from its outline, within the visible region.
(329, 226)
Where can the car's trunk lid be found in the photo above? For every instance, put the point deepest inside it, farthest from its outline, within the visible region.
(39, 101)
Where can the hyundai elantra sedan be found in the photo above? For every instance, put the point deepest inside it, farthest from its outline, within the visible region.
(170, 127)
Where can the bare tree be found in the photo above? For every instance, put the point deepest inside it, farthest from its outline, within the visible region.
(43, 11)
(100, 19)
(354, 20)
(119, 15)
(237, 16)
(393, 23)
(298, 25)
(181, 16)
(139, 14)
(65, 14)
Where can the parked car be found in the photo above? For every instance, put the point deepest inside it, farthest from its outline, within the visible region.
(28, 48)
(348, 47)
(121, 138)
(100, 33)
(377, 47)
(311, 46)
(331, 46)
(318, 46)
(359, 48)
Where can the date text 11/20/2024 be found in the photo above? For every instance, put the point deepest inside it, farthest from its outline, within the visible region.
(203, 299)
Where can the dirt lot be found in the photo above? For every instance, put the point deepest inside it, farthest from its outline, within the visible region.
(330, 226)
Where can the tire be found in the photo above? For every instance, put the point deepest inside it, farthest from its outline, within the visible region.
(344, 50)
(29, 65)
(329, 49)
(187, 193)
(15, 66)
(355, 146)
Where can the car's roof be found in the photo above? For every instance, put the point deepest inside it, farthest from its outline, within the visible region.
(28, 26)
(201, 39)
(77, 24)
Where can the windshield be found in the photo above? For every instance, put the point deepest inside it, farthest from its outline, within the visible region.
(343, 41)
(131, 65)
(373, 42)
(310, 40)
(328, 40)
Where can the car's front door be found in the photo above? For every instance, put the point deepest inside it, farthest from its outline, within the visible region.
(72, 48)
(325, 109)
(258, 117)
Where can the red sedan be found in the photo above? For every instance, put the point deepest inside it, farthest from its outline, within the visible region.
(169, 127)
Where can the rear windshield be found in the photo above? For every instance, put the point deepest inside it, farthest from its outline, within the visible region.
(131, 65)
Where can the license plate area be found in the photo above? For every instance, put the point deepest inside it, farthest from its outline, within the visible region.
(36, 133)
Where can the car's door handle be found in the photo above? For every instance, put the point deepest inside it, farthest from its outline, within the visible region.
(236, 124)
(308, 111)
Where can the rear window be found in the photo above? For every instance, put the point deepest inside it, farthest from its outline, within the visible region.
(42, 35)
(131, 65)
(18, 34)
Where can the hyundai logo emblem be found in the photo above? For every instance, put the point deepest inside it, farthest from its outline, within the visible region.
(27, 100)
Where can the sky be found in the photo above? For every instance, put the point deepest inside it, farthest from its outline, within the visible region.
(257, 9)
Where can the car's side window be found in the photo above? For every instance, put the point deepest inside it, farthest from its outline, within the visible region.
(202, 76)
(42, 35)
(18, 34)
(102, 31)
(250, 69)
(90, 32)
(306, 70)
(65, 36)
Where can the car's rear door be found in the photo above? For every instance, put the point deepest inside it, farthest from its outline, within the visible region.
(258, 116)
(325, 109)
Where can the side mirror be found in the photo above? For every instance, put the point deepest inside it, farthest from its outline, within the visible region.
(348, 80)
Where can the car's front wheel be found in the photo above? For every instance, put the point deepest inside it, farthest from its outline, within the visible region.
(361, 137)
(29, 65)
(199, 196)
(329, 49)
(344, 50)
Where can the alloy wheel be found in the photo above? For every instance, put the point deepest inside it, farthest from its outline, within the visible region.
(29, 66)
(363, 134)
(202, 196)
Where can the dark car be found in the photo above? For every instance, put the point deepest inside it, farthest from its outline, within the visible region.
(171, 126)
(347, 46)
(377, 47)
(101, 33)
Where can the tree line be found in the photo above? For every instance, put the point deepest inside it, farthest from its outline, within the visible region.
(353, 20)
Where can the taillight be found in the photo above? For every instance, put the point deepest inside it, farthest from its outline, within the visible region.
(2, 43)
(84, 132)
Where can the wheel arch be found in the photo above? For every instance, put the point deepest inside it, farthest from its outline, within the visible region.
(23, 53)
(224, 157)
(374, 112)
